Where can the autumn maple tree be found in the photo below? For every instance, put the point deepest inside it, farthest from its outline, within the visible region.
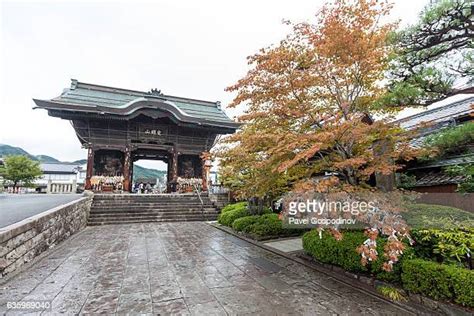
(311, 103)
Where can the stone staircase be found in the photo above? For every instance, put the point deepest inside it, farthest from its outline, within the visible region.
(144, 208)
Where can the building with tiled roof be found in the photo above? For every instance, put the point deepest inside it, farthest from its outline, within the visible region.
(120, 126)
(431, 176)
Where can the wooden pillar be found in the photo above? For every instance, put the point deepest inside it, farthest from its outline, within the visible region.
(90, 168)
(205, 159)
(173, 170)
(169, 177)
(127, 166)
(174, 166)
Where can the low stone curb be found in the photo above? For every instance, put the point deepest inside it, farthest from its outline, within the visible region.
(417, 304)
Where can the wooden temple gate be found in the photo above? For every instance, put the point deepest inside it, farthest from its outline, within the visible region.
(119, 127)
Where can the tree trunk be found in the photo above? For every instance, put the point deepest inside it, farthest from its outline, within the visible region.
(260, 206)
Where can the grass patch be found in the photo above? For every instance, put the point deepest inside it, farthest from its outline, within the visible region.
(422, 216)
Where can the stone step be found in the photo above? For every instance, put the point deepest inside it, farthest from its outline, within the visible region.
(152, 198)
(151, 207)
(118, 209)
(153, 219)
(150, 221)
(149, 202)
(136, 218)
(170, 211)
(140, 213)
(138, 203)
(148, 197)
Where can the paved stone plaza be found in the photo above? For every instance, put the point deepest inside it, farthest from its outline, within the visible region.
(180, 268)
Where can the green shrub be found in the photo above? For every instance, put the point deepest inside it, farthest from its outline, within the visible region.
(392, 293)
(467, 172)
(343, 253)
(267, 225)
(229, 217)
(243, 224)
(447, 246)
(439, 281)
(463, 284)
(231, 207)
(265, 210)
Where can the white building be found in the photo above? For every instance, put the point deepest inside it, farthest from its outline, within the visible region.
(61, 177)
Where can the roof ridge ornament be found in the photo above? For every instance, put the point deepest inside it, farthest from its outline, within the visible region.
(155, 92)
(74, 83)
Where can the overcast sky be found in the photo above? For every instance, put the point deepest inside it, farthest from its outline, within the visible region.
(186, 48)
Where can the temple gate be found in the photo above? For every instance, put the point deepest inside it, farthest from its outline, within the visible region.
(119, 127)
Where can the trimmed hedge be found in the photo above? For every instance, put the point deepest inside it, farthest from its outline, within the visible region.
(343, 253)
(244, 223)
(267, 225)
(228, 217)
(439, 281)
(235, 211)
(231, 207)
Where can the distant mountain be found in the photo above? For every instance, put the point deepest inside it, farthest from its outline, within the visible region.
(46, 159)
(6, 150)
(80, 161)
(138, 171)
(146, 173)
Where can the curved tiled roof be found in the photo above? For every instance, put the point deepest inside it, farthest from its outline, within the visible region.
(439, 114)
(438, 178)
(84, 97)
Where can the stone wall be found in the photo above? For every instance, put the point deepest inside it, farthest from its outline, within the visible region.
(23, 241)
(220, 199)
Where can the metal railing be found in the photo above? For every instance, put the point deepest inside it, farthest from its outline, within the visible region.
(200, 200)
(218, 189)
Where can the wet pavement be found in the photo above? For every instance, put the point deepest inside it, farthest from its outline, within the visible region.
(179, 268)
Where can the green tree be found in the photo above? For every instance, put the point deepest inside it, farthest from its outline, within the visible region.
(20, 169)
(467, 171)
(433, 56)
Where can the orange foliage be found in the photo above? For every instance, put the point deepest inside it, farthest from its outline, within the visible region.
(310, 104)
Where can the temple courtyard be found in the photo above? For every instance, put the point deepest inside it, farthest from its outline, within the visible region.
(179, 268)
